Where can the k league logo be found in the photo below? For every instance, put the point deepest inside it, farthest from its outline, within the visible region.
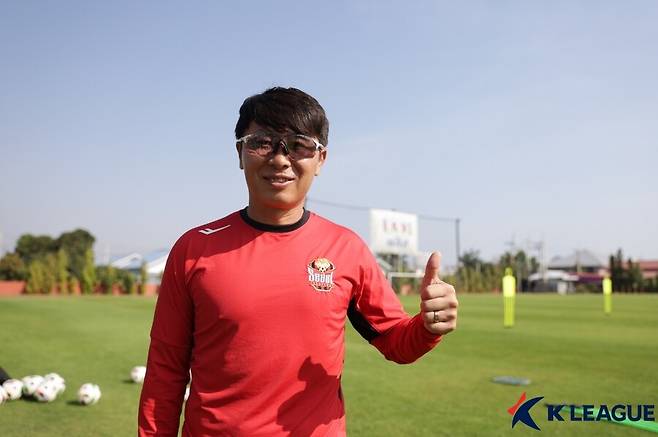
(637, 415)
(521, 411)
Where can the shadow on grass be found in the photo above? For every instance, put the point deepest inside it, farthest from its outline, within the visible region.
(33, 400)
(74, 403)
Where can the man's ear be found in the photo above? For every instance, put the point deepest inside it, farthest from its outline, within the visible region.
(322, 156)
(238, 146)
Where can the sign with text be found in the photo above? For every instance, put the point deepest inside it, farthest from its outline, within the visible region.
(393, 232)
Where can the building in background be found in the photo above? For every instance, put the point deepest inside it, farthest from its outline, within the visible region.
(565, 273)
(559, 281)
(649, 268)
(581, 261)
(155, 264)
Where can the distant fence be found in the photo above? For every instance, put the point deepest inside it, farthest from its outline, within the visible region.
(11, 288)
(17, 288)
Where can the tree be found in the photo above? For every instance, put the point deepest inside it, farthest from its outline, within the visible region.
(635, 279)
(143, 279)
(107, 277)
(506, 260)
(521, 265)
(475, 274)
(12, 268)
(76, 243)
(31, 247)
(617, 271)
(62, 272)
(36, 277)
(110, 280)
(626, 275)
(471, 259)
(74, 284)
(88, 280)
(652, 285)
(534, 265)
(127, 281)
(50, 273)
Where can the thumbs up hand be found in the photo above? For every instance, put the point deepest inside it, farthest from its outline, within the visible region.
(438, 300)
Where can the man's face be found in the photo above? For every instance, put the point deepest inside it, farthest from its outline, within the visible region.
(278, 181)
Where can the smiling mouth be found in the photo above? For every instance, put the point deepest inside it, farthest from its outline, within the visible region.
(278, 179)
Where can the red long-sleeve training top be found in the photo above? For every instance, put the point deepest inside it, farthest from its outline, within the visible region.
(257, 313)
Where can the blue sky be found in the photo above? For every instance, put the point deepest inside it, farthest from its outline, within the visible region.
(529, 120)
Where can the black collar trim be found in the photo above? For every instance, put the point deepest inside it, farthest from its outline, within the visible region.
(275, 228)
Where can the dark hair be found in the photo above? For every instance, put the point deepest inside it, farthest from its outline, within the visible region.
(284, 108)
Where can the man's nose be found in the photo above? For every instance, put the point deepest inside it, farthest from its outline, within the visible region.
(280, 157)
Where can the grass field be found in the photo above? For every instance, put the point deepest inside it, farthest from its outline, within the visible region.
(570, 350)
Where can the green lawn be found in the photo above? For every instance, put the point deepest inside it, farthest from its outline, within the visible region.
(570, 350)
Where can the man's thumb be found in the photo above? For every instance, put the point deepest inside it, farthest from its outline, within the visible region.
(432, 269)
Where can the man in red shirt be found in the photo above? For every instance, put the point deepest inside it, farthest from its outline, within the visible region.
(254, 304)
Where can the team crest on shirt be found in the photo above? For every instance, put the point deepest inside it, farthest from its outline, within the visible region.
(321, 274)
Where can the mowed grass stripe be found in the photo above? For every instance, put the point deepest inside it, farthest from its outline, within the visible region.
(565, 344)
(90, 339)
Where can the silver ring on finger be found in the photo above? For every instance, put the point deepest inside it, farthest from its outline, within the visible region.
(436, 317)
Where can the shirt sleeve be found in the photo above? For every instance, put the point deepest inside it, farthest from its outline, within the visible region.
(167, 368)
(377, 314)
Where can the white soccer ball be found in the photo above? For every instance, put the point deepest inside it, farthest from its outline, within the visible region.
(89, 394)
(31, 383)
(137, 374)
(47, 391)
(53, 375)
(59, 382)
(4, 396)
(14, 388)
